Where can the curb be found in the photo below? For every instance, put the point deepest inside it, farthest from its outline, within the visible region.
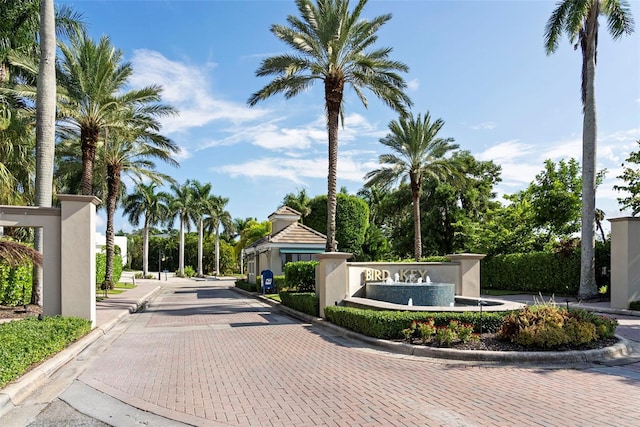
(15, 392)
(621, 349)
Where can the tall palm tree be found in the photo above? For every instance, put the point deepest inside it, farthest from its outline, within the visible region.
(184, 207)
(21, 23)
(579, 20)
(45, 127)
(153, 207)
(218, 216)
(132, 153)
(418, 154)
(93, 78)
(202, 198)
(334, 45)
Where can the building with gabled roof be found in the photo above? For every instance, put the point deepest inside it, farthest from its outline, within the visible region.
(289, 241)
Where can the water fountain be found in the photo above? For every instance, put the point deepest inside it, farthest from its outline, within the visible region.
(413, 292)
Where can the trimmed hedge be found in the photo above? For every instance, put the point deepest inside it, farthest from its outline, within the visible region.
(101, 268)
(389, 324)
(278, 281)
(246, 286)
(304, 302)
(547, 272)
(532, 272)
(30, 341)
(15, 284)
(301, 275)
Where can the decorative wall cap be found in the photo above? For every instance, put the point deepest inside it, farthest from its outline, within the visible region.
(78, 198)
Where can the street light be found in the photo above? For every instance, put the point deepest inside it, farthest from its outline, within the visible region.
(160, 259)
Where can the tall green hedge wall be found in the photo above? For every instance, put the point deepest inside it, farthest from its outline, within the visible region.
(546, 272)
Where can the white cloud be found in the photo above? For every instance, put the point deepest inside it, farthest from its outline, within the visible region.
(564, 150)
(301, 170)
(413, 85)
(507, 151)
(187, 88)
(484, 126)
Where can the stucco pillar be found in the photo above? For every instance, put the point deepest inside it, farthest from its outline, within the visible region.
(78, 250)
(625, 261)
(468, 284)
(331, 278)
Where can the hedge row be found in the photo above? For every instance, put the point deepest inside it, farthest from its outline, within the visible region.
(101, 268)
(304, 302)
(546, 272)
(15, 284)
(389, 324)
(532, 272)
(301, 275)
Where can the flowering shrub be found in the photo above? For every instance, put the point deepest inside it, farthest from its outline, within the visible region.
(549, 326)
(428, 332)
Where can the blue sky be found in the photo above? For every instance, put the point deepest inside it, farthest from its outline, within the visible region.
(479, 65)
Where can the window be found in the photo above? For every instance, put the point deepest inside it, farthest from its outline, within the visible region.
(285, 258)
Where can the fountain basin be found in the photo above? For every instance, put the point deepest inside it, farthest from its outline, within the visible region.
(421, 294)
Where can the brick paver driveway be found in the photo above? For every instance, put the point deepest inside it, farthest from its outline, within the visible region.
(205, 355)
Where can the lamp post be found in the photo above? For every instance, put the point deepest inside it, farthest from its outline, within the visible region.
(160, 259)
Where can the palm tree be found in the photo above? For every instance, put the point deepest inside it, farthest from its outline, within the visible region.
(579, 19)
(418, 155)
(132, 153)
(218, 216)
(335, 45)
(46, 106)
(45, 127)
(299, 202)
(21, 22)
(184, 207)
(93, 78)
(153, 206)
(202, 198)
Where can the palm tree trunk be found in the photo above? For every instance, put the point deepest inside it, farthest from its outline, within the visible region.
(45, 126)
(417, 241)
(217, 250)
(89, 140)
(588, 287)
(333, 100)
(181, 255)
(113, 185)
(145, 248)
(200, 226)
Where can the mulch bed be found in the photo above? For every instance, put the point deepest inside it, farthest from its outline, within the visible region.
(490, 342)
(19, 312)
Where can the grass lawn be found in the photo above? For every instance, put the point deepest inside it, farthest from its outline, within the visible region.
(275, 297)
(118, 289)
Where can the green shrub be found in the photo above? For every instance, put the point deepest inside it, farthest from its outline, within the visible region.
(390, 324)
(101, 267)
(634, 305)
(535, 272)
(189, 271)
(15, 284)
(30, 341)
(304, 302)
(550, 327)
(301, 275)
(244, 285)
(279, 283)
